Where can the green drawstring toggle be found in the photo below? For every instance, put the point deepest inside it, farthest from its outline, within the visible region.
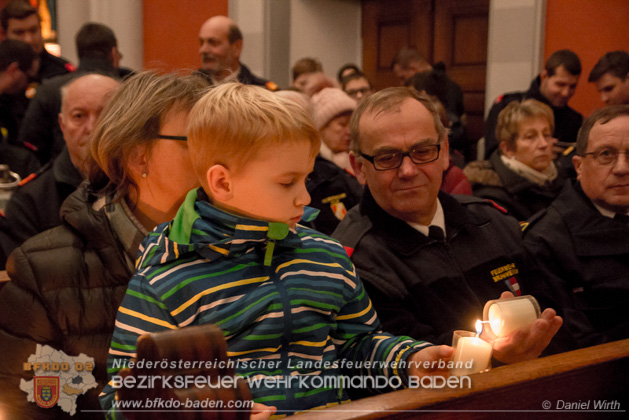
(277, 231)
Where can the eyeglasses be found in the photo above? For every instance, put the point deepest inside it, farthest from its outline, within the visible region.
(606, 156)
(165, 137)
(354, 92)
(393, 160)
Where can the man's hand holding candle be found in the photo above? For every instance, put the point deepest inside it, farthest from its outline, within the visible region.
(525, 343)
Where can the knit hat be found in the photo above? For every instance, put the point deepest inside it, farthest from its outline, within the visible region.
(330, 103)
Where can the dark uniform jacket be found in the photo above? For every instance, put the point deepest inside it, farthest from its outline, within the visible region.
(333, 191)
(34, 207)
(584, 257)
(567, 120)
(20, 159)
(40, 126)
(426, 288)
(65, 289)
(522, 198)
(244, 76)
(51, 66)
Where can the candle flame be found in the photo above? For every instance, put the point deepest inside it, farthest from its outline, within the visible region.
(479, 327)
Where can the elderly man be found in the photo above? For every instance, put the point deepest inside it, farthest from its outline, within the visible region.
(221, 45)
(611, 77)
(581, 242)
(428, 260)
(34, 207)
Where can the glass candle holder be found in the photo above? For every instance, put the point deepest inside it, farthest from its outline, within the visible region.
(508, 315)
(471, 353)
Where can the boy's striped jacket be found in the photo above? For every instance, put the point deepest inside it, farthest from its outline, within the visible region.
(284, 299)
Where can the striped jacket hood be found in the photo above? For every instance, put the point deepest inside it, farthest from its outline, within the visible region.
(227, 235)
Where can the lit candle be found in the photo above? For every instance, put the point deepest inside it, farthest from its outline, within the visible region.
(508, 315)
(471, 354)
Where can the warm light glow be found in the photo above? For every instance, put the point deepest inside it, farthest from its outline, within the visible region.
(54, 49)
(479, 327)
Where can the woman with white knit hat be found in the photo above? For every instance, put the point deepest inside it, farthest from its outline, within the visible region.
(332, 109)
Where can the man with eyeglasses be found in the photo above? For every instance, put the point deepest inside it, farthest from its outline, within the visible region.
(357, 86)
(429, 261)
(581, 243)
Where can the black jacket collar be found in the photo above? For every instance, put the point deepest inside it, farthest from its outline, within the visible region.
(400, 236)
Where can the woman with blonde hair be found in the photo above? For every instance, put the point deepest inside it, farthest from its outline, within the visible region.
(521, 175)
(67, 283)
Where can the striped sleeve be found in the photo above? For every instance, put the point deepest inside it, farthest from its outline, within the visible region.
(141, 312)
(362, 342)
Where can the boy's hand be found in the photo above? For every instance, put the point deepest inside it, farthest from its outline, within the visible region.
(261, 411)
(525, 343)
(429, 354)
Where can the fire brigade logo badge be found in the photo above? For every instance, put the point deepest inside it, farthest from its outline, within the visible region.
(46, 391)
(336, 205)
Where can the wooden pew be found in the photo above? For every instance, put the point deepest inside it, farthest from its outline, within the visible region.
(521, 390)
(186, 345)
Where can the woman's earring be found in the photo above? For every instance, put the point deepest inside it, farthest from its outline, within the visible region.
(144, 174)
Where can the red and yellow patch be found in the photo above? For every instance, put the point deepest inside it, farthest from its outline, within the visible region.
(46, 390)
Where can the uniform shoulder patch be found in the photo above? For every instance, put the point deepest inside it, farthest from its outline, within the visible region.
(28, 179)
(568, 151)
(271, 86)
(525, 225)
(499, 99)
(349, 251)
(30, 146)
(70, 67)
(496, 206)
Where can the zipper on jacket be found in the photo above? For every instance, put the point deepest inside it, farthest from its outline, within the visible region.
(278, 231)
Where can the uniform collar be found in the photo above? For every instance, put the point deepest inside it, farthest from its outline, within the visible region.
(406, 240)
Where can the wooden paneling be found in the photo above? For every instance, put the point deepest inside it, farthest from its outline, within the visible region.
(452, 31)
(389, 26)
(460, 40)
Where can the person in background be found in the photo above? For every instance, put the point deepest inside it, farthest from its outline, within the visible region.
(221, 44)
(18, 65)
(97, 49)
(521, 176)
(19, 20)
(611, 77)
(331, 109)
(408, 62)
(332, 186)
(347, 70)
(72, 278)
(580, 244)
(554, 86)
(301, 71)
(357, 86)
(34, 207)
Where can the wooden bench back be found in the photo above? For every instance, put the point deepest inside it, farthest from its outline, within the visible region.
(588, 376)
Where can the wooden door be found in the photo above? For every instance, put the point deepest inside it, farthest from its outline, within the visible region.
(452, 31)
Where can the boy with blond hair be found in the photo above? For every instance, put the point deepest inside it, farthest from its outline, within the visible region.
(284, 295)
